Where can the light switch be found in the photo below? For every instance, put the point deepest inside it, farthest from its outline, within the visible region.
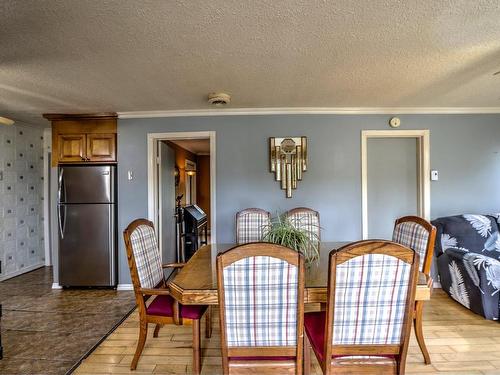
(130, 175)
(434, 175)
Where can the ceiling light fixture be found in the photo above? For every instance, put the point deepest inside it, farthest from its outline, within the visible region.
(219, 99)
(6, 121)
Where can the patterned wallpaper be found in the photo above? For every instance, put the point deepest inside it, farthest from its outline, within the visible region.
(21, 199)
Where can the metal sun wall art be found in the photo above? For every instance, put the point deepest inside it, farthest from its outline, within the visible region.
(288, 158)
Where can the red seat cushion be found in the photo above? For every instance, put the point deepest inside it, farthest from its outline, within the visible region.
(164, 306)
(314, 325)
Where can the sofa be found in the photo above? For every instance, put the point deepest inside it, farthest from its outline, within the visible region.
(468, 260)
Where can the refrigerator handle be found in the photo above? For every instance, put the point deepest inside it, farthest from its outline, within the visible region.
(60, 185)
(112, 185)
(64, 220)
(61, 230)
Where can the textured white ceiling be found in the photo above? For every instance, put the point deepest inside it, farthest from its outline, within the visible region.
(127, 55)
(196, 146)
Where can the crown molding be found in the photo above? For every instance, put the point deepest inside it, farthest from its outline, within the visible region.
(310, 111)
(79, 116)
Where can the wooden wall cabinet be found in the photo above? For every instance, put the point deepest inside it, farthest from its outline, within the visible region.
(89, 138)
(71, 147)
(101, 147)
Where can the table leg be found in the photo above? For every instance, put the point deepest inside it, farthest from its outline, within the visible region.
(208, 322)
(417, 323)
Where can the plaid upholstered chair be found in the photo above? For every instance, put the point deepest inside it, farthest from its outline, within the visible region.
(419, 235)
(261, 300)
(149, 281)
(367, 322)
(251, 224)
(306, 219)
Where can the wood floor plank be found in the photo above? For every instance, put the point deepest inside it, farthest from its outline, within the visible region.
(463, 366)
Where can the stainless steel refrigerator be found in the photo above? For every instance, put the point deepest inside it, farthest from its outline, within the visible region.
(87, 225)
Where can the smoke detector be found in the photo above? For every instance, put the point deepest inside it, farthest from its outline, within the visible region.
(219, 99)
(6, 121)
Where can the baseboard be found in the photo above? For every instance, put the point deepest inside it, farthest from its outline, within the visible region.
(437, 284)
(56, 286)
(24, 270)
(125, 287)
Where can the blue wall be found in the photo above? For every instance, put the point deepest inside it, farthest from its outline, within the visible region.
(464, 148)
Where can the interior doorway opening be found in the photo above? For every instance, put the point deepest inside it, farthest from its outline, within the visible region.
(395, 176)
(182, 191)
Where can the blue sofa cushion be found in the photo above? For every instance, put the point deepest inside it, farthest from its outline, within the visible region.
(468, 252)
(474, 233)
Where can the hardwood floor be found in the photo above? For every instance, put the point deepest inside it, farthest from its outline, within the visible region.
(459, 342)
(46, 331)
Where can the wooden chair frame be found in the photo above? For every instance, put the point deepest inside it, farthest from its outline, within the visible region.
(329, 364)
(272, 366)
(426, 269)
(306, 210)
(143, 294)
(248, 211)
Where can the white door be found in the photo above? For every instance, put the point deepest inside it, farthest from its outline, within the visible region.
(392, 183)
(167, 202)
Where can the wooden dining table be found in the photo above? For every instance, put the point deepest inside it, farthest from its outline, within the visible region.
(196, 282)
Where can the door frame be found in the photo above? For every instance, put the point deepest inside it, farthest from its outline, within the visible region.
(423, 170)
(152, 140)
(47, 197)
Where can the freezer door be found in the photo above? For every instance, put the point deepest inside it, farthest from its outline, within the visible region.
(87, 245)
(86, 184)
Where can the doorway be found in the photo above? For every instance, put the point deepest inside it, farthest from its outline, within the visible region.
(395, 179)
(181, 171)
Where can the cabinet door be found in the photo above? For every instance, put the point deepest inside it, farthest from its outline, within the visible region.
(71, 147)
(101, 147)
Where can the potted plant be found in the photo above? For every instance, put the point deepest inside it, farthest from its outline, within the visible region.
(283, 231)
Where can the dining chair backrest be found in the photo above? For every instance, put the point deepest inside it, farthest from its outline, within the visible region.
(251, 225)
(261, 300)
(419, 235)
(306, 219)
(371, 292)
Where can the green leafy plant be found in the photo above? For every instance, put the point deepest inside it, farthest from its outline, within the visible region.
(282, 231)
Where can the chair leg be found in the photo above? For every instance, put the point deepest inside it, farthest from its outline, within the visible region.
(157, 330)
(196, 346)
(143, 333)
(208, 322)
(307, 355)
(417, 323)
